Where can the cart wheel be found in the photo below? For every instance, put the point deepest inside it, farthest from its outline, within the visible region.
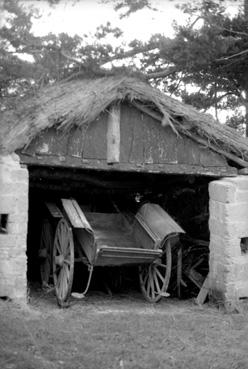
(45, 252)
(63, 262)
(155, 277)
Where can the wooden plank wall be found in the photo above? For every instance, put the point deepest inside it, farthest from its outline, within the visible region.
(88, 142)
(143, 142)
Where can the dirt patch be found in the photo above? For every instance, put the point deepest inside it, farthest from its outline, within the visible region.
(121, 332)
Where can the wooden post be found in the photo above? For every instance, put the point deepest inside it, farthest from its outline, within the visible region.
(202, 295)
(113, 135)
(179, 270)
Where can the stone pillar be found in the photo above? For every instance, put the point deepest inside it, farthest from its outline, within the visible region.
(13, 232)
(228, 224)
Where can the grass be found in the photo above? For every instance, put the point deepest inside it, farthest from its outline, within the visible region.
(121, 332)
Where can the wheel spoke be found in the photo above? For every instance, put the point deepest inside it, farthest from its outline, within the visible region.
(159, 274)
(64, 241)
(58, 246)
(63, 282)
(146, 275)
(148, 284)
(151, 283)
(59, 276)
(156, 282)
(67, 272)
(59, 235)
(68, 253)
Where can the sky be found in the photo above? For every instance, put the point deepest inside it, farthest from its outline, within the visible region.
(85, 15)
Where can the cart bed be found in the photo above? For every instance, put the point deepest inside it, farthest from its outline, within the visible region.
(110, 239)
(111, 230)
(115, 241)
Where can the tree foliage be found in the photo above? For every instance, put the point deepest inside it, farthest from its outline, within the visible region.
(127, 7)
(204, 64)
(28, 61)
(213, 56)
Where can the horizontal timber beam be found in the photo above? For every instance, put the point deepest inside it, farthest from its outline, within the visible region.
(81, 178)
(167, 168)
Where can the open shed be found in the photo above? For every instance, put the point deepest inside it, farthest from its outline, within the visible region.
(118, 140)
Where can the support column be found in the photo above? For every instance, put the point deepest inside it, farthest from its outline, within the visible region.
(228, 224)
(113, 135)
(13, 228)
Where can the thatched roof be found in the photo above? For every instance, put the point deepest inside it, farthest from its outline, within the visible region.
(74, 103)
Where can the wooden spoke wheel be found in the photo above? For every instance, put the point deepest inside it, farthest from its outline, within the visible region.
(63, 262)
(45, 252)
(155, 277)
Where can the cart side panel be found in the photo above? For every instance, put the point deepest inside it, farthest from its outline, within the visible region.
(142, 237)
(83, 234)
(116, 256)
(153, 225)
(85, 243)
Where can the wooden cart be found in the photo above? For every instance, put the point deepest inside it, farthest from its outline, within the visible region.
(108, 239)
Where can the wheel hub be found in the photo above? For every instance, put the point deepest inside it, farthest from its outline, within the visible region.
(59, 260)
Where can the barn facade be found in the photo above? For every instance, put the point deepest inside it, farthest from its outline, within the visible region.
(117, 137)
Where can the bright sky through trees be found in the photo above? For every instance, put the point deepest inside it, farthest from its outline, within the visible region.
(84, 16)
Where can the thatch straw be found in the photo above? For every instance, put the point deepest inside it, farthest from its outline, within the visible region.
(75, 103)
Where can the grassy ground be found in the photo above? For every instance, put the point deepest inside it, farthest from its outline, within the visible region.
(121, 332)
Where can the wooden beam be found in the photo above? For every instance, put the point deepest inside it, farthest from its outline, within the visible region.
(151, 113)
(56, 175)
(195, 277)
(113, 135)
(78, 163)
(59, 186)
(72, 213)
(202, 295)
(156, 116)
(179, 270)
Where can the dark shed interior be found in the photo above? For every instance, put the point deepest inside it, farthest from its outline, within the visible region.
(184, 197)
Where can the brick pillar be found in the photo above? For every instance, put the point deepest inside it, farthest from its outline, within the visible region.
(14, 212)
(228, 224)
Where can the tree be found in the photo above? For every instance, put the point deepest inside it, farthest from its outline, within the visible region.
(210, 54)
(26, 61)
(213, 57)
